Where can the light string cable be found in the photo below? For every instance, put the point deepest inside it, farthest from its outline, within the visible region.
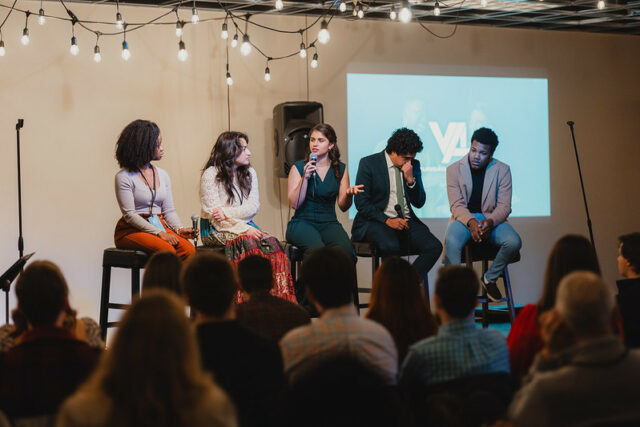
(455, 28)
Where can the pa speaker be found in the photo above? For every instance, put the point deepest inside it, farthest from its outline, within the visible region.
(292, 122)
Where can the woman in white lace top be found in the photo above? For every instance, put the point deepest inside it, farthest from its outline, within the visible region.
(230, 200)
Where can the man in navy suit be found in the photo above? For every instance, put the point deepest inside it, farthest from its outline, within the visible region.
(393, 183)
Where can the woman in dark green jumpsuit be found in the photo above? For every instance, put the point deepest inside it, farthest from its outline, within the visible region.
(314, 188)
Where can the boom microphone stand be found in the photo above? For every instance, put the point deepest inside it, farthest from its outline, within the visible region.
(584, 196)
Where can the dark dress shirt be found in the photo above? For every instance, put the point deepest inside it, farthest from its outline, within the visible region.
(628, 301)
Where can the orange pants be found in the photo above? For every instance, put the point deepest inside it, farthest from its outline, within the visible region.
(128, 237)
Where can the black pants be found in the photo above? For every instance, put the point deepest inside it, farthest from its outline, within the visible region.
(416, 240)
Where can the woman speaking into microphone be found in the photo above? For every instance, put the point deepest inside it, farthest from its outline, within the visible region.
(313, 189)
(149, 220)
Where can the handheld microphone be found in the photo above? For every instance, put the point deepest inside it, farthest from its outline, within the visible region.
(313, 157)
(194, 223)
(399, 211)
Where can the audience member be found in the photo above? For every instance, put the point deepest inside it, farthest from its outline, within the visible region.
(398, 303)
(151, 375)
(162, 270)
(246, 365)
(629, 287)
(460, 349)
(570, 253)
(583, 374)
(49, 362)
(263, 313)
(329, 277)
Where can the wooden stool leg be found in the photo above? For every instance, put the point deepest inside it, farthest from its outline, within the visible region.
(104, 300)
(507, 289)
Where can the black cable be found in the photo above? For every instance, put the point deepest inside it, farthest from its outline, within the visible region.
(8, 14)
(455, 28)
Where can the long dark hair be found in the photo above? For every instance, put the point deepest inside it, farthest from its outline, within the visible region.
(137, 144)
(334, 153)
(223, 156)
(571, 253)
(398, 303)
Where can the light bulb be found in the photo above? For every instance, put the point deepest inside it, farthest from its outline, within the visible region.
(74, 49)
(323, 35)
(182, 52)
(125, 51)
(314, 61)
(234, 42)
(436, 9)
(303, 50)
(179, 26)
(224, 34)
(229, 79)
(25, 36)
(119, 21)
(355, 11)
(343, 6)
(96, 54)
(405, 14)
(245, 49)
(194, 15)
(267, 75)
(360, 12)
(2, 51)
(41, 19)
(601, 4)
(392, 14)
(279, 4)
(483, 3)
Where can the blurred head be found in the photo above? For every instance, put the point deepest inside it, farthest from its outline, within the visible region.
(570, 253)
(398, 303)
(585, 303)
(162, 271)
(457, 291)
(255, 274)
(329, 276)
(402, 146)
(629, 255)
(42, 293)
(230, 155)
(209, 282)
(323, 140)
(139, 143)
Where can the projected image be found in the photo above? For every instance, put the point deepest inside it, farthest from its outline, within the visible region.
(444, 111)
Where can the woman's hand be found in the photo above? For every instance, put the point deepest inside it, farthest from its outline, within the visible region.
(218, 214)
(309, 169)
(169, 238)
(352, 191)
(187, 233)
(255, 233)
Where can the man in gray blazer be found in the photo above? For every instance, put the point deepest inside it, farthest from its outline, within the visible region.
(479, 190)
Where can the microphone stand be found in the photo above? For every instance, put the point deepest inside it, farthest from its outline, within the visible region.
(19, 125)
(584, 196)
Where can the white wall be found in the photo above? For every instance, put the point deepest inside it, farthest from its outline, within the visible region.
(74, 110)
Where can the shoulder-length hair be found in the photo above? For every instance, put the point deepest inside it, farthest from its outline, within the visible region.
(334, 153)
(137, 144)
(223, 157)
(571, 253)
(399, 304)
(152, 372)
(162, 270)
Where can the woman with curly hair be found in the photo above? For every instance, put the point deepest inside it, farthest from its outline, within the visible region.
(230, 200)
(314, 186)
(149, 220)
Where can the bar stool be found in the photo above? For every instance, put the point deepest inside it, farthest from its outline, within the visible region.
(121, 258)
(486, 252)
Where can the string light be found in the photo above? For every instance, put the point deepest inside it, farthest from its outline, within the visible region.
(405, 14)
(436, 9)
(41, 18)
(229, 79)
(179, 27)
(25, 33)
(314, 61)
(74, 49)
(303, 50)
(323, 34)
(234, 42)
(343, 6)
(125, 46)
(96, 50)
(355, 11)
(392, 14)
(601, 4)
(194, 14)
(360, 11)
(182, 51)
(267, 72)
(245, 49)
(224, 34)
(279, 4)
(2, 50)
(483, 3)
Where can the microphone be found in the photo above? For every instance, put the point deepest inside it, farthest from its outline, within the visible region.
(10, 275)
(313, 157)
(399, 211)
(194, 223)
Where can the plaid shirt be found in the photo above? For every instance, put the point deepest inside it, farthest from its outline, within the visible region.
(42, 370)
(459, 350)
(270, 316)
(341, 331)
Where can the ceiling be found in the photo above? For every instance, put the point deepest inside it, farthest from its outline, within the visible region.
(618, 16)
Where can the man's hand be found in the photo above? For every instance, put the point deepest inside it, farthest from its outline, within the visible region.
(397, 223)
(476, 231)
(486, 225)
(407, 171)
(554, 333)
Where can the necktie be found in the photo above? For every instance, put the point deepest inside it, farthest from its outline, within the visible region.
(399, 189)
